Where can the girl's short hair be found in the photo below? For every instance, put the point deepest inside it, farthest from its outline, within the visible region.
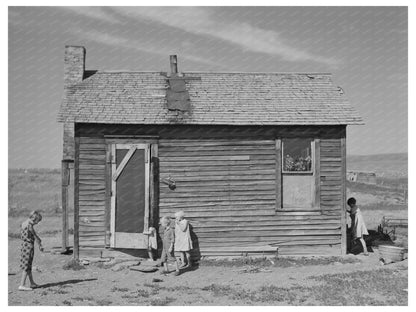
(166, 219)
(35, 215)
(351, 201)
(179, 214)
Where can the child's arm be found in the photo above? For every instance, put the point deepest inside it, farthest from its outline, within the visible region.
(172, 239)
(37, 238)
(171, 247)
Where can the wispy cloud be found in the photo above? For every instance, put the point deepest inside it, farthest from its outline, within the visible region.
(130, 43)
(97, 13)
(202, 21)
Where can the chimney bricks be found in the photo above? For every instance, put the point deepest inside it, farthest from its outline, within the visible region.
(74, 65)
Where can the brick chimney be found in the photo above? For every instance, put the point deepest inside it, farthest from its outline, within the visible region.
(74, 65)
(74, 69)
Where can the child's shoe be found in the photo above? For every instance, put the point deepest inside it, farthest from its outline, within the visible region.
(24, 288)
(34, 285)
(164, 272)
(176, 273)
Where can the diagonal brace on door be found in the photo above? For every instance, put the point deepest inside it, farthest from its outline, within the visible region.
(124, 162)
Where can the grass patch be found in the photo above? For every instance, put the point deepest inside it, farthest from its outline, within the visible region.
(384, 287)
(124, 289)
(218, 290)
(378, 287)
(67, 303)
(161, 301)
(83, 299)
(59, 291)
(276, 261)
(103, 302)
(73, 265)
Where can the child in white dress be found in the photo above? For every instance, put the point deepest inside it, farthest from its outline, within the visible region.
(183, 242)
(357, 224)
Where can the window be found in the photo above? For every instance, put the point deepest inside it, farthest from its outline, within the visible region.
(297, 155)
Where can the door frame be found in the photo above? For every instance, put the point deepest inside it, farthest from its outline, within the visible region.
(153, 142)
(113, 148)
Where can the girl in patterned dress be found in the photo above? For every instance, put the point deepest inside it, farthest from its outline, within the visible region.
(183, 242)
(28, 236)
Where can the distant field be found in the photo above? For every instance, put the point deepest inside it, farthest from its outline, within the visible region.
(35, 189)
(384, 165)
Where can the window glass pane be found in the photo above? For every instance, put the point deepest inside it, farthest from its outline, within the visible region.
(297, 155)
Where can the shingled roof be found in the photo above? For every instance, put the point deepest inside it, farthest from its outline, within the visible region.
(215, 98)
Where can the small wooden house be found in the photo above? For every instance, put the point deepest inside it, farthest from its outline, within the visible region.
(253, 159)
(367, 177)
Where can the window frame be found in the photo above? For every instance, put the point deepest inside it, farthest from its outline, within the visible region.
(309, 172)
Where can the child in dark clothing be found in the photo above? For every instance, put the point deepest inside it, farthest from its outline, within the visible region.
(168, 241)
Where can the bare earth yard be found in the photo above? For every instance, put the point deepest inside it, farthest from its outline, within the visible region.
(351, 280)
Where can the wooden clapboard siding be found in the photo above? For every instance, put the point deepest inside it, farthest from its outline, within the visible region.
(226, 183)
(331, 175)
(230, 201)
(92, 194)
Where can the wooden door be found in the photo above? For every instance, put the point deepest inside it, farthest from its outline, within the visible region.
(129, 195)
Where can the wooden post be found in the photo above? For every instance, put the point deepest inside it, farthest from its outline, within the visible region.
(76, 200)
(154, 185)
(344, 195)
(317, 173)
(278, 174)
(65, 174)
(108, 179)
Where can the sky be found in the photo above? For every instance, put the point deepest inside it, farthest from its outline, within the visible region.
(365, 48)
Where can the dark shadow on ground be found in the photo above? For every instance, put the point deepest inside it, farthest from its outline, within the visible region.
(73, 281)
(373, 239)
(194, 267)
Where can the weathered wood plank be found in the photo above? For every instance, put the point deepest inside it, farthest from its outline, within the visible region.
(197, 148)
(175, 164)
(215, 142)
(267, 229)
(317, 174)
(278, 174)
(76, 199)
(343, 199)
(231, 171)
(221, 188)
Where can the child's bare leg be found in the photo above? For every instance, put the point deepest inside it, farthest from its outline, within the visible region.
(24, 277)
(165, 267)
(364, 245)
(150, 253)
(182, 258)
(188, 258)
(32, 282)
(177, 272)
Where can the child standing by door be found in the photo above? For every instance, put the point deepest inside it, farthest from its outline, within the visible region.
(358, 228)
(167, 233)
(28, 236)
(183, 242)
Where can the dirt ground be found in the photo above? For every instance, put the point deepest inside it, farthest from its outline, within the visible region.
(350, 280)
